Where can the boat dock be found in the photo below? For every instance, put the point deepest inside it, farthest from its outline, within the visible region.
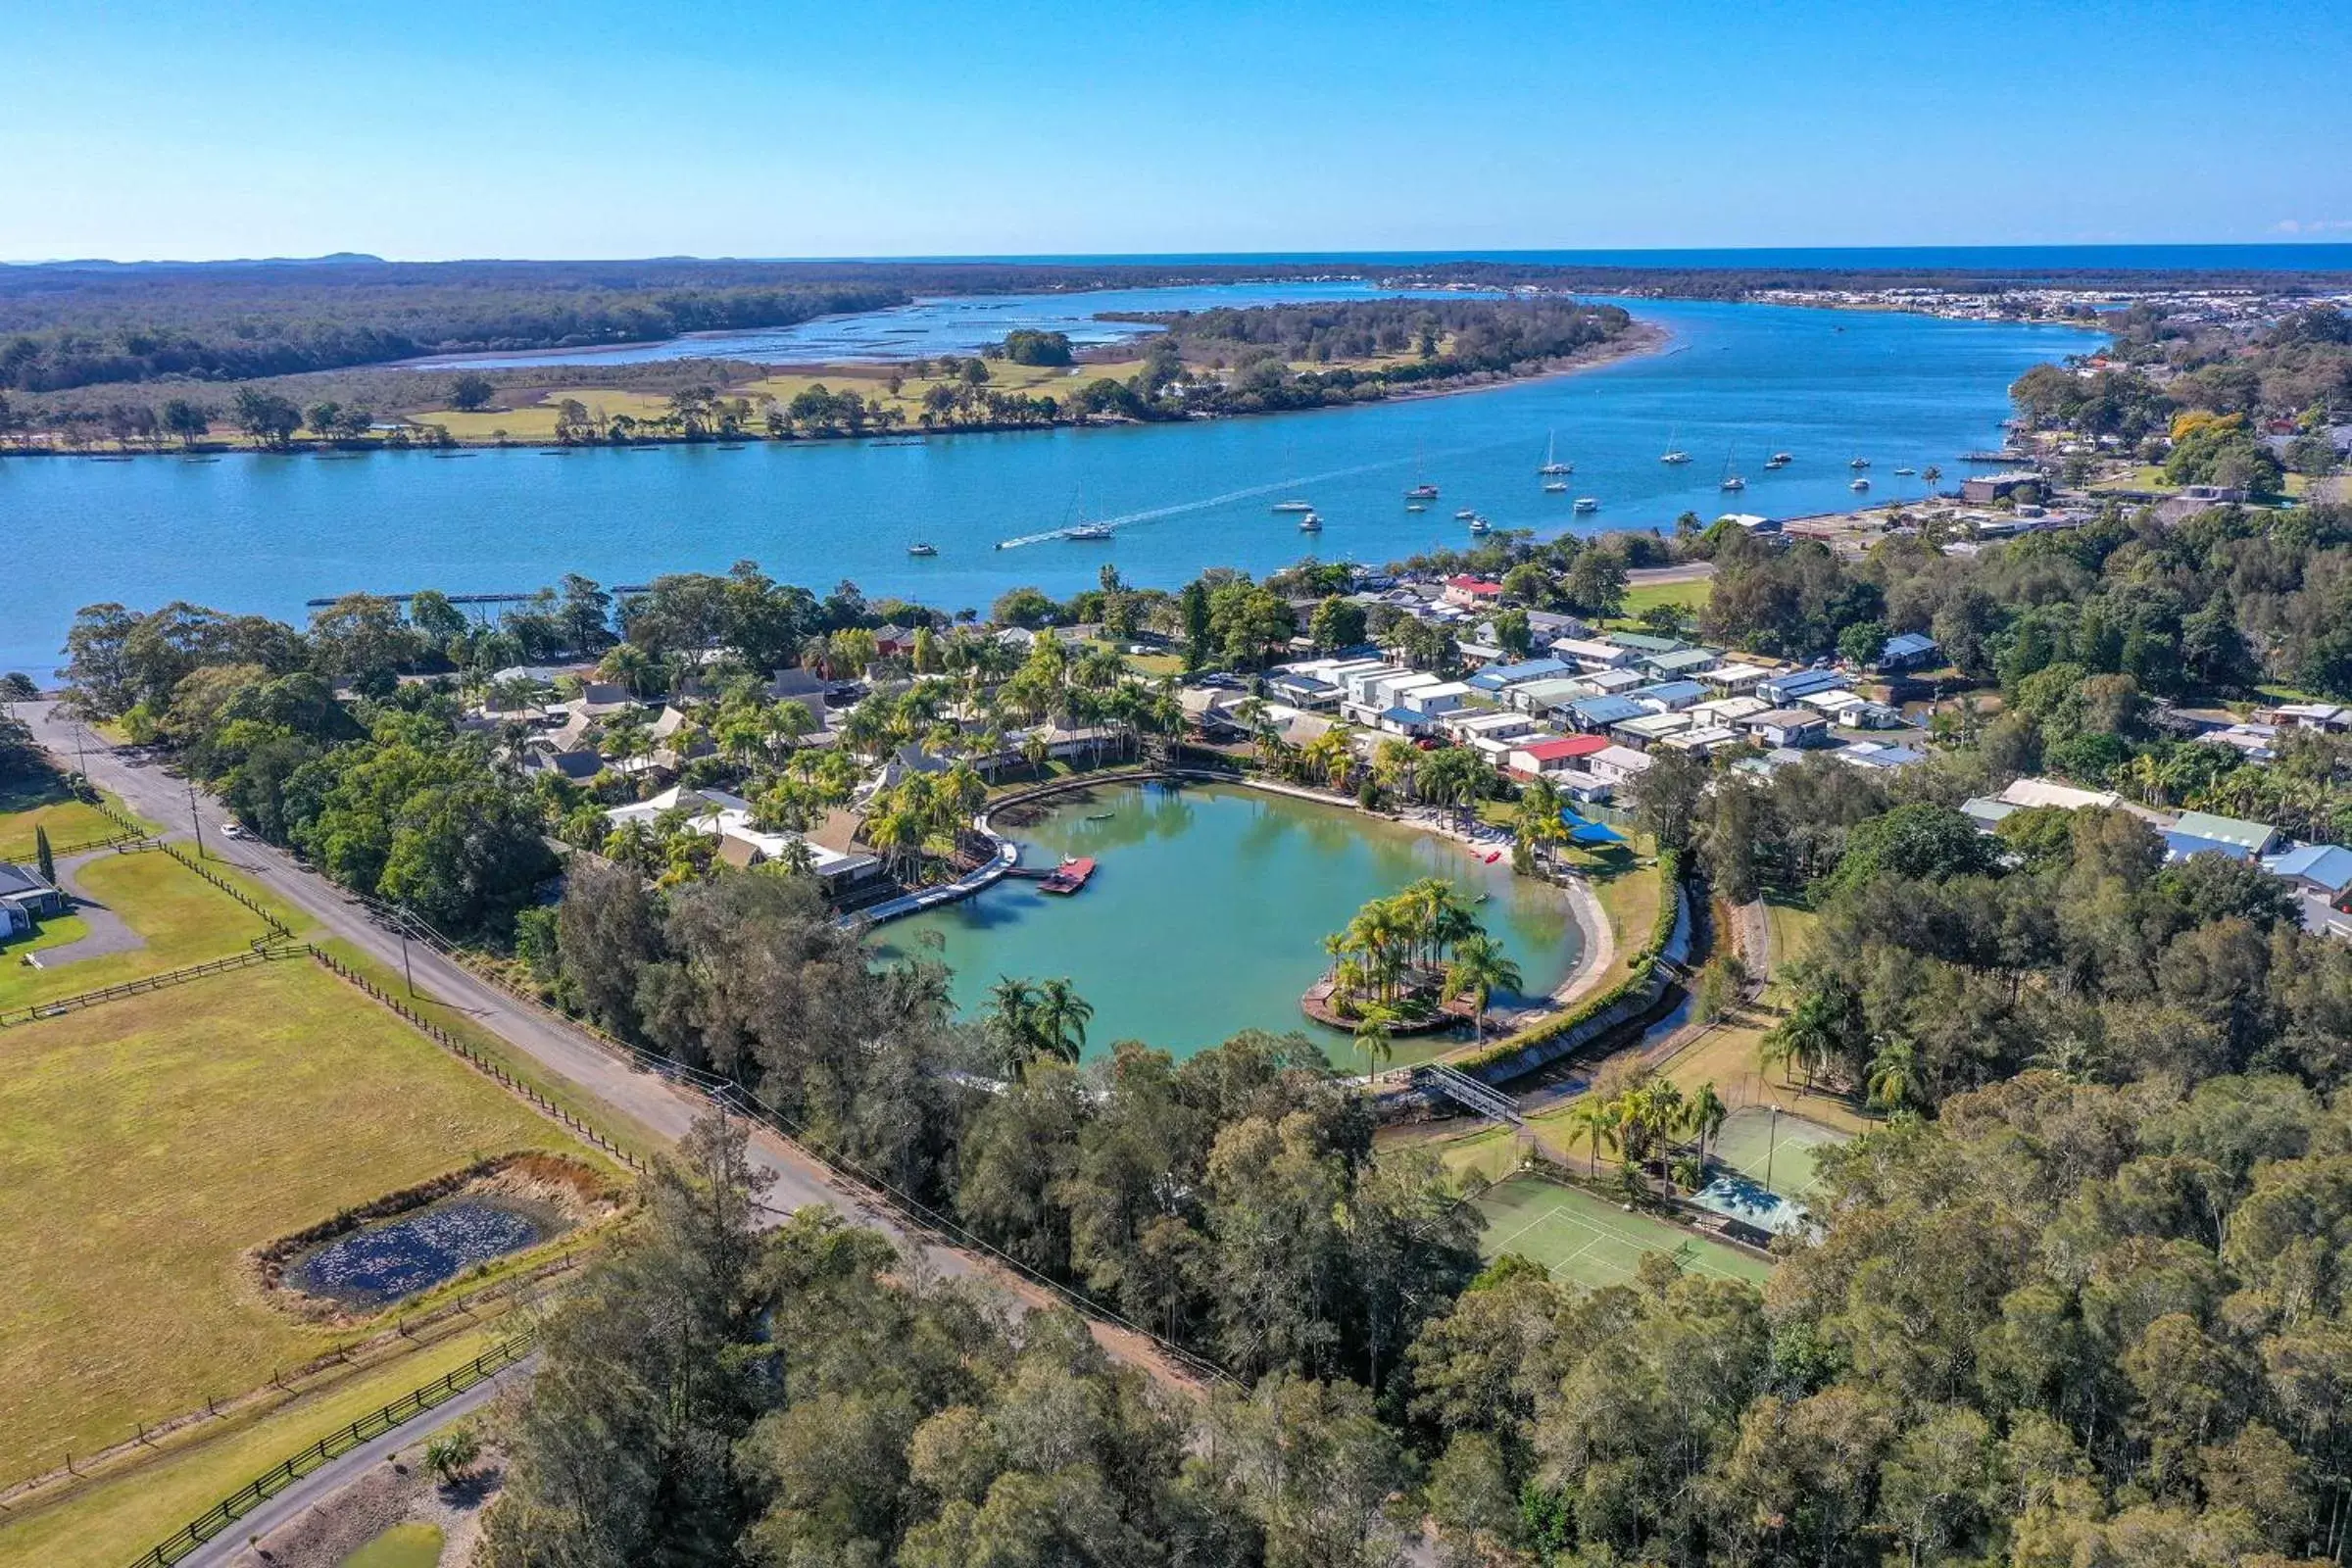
(1069, 877)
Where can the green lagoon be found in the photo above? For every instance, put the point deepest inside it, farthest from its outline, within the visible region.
(1208, 912)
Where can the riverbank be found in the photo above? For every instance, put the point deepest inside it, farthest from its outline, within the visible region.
(536, 424)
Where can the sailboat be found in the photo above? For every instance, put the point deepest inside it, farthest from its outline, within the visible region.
(1552, 457)
(1673, 453)
(1731, 479)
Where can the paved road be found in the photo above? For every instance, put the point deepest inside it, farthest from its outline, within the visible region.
(655, 1105)
(230, 1548)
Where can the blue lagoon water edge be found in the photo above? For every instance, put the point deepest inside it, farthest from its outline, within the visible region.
(1735, 382)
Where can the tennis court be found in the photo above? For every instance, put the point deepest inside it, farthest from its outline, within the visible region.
(1772, 1149)
(1589, 1240)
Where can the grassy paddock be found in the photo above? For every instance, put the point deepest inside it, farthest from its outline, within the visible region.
(110, 1522)
(1587, 1240)
(159, 1138)
(43, 803)
(183, 918)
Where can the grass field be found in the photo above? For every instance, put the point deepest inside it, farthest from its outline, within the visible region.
(1629, 890)
(114, 1521)
(1589, 1240)
(1690, 596)
(154, 1140)
(44, 803)
(183, 918)
(537, 420)
(1774, 1151)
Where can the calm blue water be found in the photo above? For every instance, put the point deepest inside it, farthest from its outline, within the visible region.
(946, 326)
(2290, 256)
(255, 533)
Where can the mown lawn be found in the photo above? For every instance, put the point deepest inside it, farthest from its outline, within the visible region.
(26, 804)
(1629, 890)
(114, 1521)
(1643, 595)
(183, 918)
(154, 1140)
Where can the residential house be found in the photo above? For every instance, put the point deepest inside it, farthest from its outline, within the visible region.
(1908, 650)
(1473, 593)
(2029, 793)
(25, 898)
(1701, 739)
(2318, 870)
(1880, 755)
(1669, 697)
(1549, 695)
(800, 685)
(1734, 678)
(1647, 731)
(1642, 643)
(1431, 702)
(1549, 625)
(1540, 759)
(1595, 714)
(1591, 654)
(2311, 715)
(1466, 724)
(1618, 764)
(2255, 838)
(1986, 489)
(1497, 678)
(1682, 662)
(1727, 710)
(1789, 686)
(1794, 728)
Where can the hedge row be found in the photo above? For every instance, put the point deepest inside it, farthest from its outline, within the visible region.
(1637, 973)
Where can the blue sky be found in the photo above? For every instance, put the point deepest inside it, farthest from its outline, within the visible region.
(428, 130)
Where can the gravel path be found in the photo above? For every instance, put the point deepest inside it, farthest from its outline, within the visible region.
(108, 934)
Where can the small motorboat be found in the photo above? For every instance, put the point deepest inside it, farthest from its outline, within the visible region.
(922, 550)
(1294, 506)
(1481, 525)
(1312, 523)
(1100, 816)
(1779, 459)
(1859, 463)
(1416, 506)
(1859, 485)
(1556, 487)
(1465, 515)
(1587, 503)
(1905, 473)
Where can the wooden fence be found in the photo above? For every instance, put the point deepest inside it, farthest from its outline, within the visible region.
(473, 1058)
(260, 952)
(729, 1096)
(279, 1477)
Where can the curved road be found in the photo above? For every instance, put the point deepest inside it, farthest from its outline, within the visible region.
(230, 1548)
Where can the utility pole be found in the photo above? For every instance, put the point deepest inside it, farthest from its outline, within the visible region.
(407, 973)
(195, 821)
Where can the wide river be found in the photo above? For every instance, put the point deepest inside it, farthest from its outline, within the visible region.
(254, 533)
(1208, 912)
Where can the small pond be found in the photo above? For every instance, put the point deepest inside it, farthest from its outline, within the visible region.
(381, 1262)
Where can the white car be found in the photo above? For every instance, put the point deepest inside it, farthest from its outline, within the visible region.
(230, 831)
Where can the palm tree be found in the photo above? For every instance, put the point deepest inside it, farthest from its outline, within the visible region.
(1480, 968)
(624, 665)
(1706, 1113)
(1893, 1082)
(1929, 477)
(1594, 1121)
(1061, 1017)
(1373, 1043)
(1011, 1017)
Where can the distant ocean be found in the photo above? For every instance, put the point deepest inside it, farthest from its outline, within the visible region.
(2270, 257)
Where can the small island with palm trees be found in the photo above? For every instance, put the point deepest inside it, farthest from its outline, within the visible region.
(1416, 963)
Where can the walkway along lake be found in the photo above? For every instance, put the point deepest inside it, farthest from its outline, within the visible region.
(257, 533)
(1207, 913)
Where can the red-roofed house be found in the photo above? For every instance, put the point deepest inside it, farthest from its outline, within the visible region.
(1473, 593)
(1537, 757)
